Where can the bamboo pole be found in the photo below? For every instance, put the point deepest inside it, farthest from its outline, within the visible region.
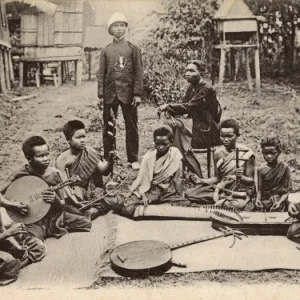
(222, 67)
(21, 74)
(11, 68)
(78, 72)
(6, 69)
(257, 71)
(248, 70)
(2, 73)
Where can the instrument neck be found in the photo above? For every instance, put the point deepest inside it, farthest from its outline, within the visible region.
(199, 240)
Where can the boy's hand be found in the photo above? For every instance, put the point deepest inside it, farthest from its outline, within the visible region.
(239, 173)
(20, 208)
(145, 200)
(16, 228)
(136, 101)
(275, 206)
(49, 196)
(216, 196)
(100, 103)
(293, 210)
(258, 204)
(113, 156)
(162, 108)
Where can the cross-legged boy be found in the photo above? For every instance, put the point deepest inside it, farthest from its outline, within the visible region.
(232, 186)
(58, 220)
(159, 178)
(120, 83)
(274, 178)
(87, 163)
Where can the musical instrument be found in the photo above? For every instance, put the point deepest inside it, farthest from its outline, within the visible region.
(167, 211)
(253, 223)
(28, 190)
(149, 257)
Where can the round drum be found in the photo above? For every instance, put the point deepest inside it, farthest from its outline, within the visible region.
(27, 190)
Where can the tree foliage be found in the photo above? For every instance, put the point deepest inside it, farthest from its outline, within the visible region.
(184, 32)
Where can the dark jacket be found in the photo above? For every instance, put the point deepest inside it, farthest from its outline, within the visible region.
(201, 103)
(124, 83)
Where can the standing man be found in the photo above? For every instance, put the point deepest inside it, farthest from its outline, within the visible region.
(120, 82)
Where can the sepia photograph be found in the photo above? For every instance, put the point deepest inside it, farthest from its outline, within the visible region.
(149, 149)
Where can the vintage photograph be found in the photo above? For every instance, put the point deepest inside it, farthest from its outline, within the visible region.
(150, 144)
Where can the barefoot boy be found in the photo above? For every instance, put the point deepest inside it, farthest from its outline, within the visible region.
(159, 178)
(58, 220)
(120, 83)
(232, 186)
(274, 178)
(87, 163)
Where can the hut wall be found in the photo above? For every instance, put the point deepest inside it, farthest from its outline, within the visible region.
(4, 32)
(63, 29)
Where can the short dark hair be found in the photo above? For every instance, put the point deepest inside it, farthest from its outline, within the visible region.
(30, 143)
(271, 141)
(71, 127)
(199, 64)
(164, 130)
(231, 123)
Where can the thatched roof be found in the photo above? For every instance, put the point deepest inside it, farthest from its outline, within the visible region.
(43, 5)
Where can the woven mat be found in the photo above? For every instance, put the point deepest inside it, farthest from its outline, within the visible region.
(249, 254)
(73, 261)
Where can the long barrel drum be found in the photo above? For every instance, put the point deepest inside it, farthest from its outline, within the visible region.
(167, 211)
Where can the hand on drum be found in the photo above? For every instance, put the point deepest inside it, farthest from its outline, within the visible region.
(16, 228)
(20, 208)
(49, 196)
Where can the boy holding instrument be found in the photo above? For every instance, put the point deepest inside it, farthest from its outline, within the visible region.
(87, 163)
(12, 255)
(60, 219)
(159, 178)
(233, 184)
(274, 178)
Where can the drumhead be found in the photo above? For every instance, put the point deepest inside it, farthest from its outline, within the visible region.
(141, 255)
(26, 190)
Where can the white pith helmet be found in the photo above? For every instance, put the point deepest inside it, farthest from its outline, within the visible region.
(116, 17)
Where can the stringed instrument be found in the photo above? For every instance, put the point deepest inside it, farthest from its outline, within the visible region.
(28, 190)
(151, 257)
(253, 223)
(167, 211)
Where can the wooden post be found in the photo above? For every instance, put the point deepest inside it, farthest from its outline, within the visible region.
(248, 70)
(6, 69)
(90, 64)
(2, 74)
(21, 74)
(38, 76)
(257, 71)
(59, 77)
(11, 68)
(222, 67)
(231, 64)
(63, 71)
(78, 72)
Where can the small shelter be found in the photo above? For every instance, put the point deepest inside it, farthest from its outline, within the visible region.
(236, 27)
(51, 33)
(6, 68)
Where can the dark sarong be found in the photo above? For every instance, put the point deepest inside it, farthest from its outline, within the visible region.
(275, 183)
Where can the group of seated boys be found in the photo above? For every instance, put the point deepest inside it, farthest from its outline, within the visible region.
(159, 181)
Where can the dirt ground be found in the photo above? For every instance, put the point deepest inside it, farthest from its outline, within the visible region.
(278, 113)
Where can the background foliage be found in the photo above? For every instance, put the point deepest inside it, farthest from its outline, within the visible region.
(184, 32)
